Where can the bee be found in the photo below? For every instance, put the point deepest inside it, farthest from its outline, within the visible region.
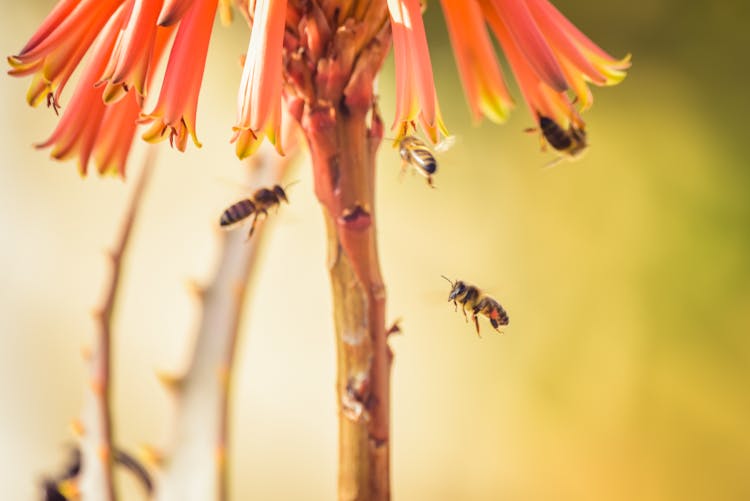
(262, 200)
(571, 142)
(473, 299)
(416, 153)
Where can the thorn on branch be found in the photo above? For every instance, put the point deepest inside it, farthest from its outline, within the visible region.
(195, 289)
(355, 218)
(172, 382)
(395, 328)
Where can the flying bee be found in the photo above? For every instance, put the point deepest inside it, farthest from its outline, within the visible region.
(416, 153)
(570, 142)
(262, 200)
(478, 303)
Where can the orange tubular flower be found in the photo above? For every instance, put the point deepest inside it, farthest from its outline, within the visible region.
(174, 114)
(550, 56)
(129, 64)
(259, 99)
(477, 64)
(551, 59)
(415, 87)
(75, 134)
(91, 126)
(54, 51)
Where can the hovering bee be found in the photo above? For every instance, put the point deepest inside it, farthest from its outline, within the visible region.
(570, 142)
(416, 153)
(472, 298)
(262, 200)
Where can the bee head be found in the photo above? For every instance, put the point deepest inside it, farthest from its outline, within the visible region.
(279, 191)
(458, 288)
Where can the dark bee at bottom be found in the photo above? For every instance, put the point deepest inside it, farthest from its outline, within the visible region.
(262, 200)
(570, 141)
(470, 297)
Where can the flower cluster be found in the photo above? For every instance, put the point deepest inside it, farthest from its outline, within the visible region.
(551, 59)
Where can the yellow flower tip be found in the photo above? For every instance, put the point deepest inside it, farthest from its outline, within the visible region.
(156, 132)
(246, 142)
(113, 92)
(613, 71)
(194, 137)
(111, 170)
(82, 169)
(405, 128)
(16, 65)
(495, 108)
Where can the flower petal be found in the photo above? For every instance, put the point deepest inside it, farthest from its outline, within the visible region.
(478, 67)
(525, 32)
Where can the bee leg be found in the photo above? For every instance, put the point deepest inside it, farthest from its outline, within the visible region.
(463, 310)
(252, 226)
(429, 182)
(476, 322)
(455, 305)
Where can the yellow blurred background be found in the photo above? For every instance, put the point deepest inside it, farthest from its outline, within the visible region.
(624, 373)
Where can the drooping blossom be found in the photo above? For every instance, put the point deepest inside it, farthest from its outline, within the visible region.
(125, 40)
(259, 101)
(553, 62)
(415, 87)
(174, 116)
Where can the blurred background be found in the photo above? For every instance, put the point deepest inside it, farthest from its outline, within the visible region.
(624, 373)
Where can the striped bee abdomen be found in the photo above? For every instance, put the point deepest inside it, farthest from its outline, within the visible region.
(555, 135)
(237, 212)
(424, 159)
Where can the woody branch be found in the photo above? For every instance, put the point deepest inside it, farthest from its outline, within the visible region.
(330, 73)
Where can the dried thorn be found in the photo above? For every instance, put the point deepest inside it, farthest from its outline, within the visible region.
(222, 374)
(238, 289)
(220, 455)
(151, 456)
(172, 382)
(355, 218)
(86, 352)
(97, 387)
(76, 426)
(104, 453)
(195, 289)
(112, 255)
(394, 328)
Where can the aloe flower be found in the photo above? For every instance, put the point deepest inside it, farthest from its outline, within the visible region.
(311, 67)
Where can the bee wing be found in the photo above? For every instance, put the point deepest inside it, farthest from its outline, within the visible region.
(447, 143)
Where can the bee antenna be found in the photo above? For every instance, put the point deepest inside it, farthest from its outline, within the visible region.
(448, 279)
(291, 184)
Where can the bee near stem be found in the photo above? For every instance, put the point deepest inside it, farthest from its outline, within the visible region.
(262, 200)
